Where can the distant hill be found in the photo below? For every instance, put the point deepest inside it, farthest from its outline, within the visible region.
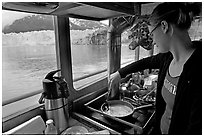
(39, 22)
(82, 31)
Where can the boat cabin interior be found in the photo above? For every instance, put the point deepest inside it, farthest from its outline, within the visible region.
(83, 106)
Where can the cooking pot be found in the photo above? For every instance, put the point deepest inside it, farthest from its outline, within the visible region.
(119, 108)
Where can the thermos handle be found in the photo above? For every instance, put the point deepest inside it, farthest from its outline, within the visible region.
(65, 94)
(41, 100)
(50, 75)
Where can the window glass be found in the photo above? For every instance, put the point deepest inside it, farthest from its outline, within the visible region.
(89, 50)
(28, 54)
(195, 31)
(128, 55)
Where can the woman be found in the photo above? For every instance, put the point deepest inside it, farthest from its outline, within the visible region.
(179, 87)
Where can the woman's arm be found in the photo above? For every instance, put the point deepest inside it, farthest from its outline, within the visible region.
(153, 62)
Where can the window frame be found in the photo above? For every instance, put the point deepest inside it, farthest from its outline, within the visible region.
(65, 61)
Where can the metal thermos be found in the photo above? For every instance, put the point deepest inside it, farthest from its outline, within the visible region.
(55, 98)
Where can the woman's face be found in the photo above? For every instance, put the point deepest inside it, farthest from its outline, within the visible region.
(160, 39)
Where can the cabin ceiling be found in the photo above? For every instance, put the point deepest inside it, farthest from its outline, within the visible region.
(85, 10)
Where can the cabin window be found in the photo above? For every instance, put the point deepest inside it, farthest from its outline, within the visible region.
(28, 54)
(89, 50)
(127, 55)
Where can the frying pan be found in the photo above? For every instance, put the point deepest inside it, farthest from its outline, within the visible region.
(119, 108)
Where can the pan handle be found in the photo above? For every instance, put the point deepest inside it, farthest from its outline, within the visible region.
(143, 106)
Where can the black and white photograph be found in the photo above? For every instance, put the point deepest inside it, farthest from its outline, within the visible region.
(101, 68)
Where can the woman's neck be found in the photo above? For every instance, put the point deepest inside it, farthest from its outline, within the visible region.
(181, 48)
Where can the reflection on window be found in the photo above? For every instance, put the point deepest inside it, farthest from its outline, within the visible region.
(28, 54)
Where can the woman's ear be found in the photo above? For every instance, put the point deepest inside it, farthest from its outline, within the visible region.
(164, 26)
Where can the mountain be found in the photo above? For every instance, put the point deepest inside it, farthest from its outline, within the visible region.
(45, 22)
(80, 24)
(30, 23)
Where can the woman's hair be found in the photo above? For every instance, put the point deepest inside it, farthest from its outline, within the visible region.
(178, 13)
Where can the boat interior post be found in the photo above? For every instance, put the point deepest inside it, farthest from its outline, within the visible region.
(84, 102)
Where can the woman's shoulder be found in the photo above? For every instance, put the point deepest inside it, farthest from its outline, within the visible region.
(197, 44)
(198, 48)
(196, 58)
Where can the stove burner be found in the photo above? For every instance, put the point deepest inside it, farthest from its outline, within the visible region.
(137, 123)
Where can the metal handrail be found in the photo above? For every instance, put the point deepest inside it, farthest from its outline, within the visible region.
(24, 96)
